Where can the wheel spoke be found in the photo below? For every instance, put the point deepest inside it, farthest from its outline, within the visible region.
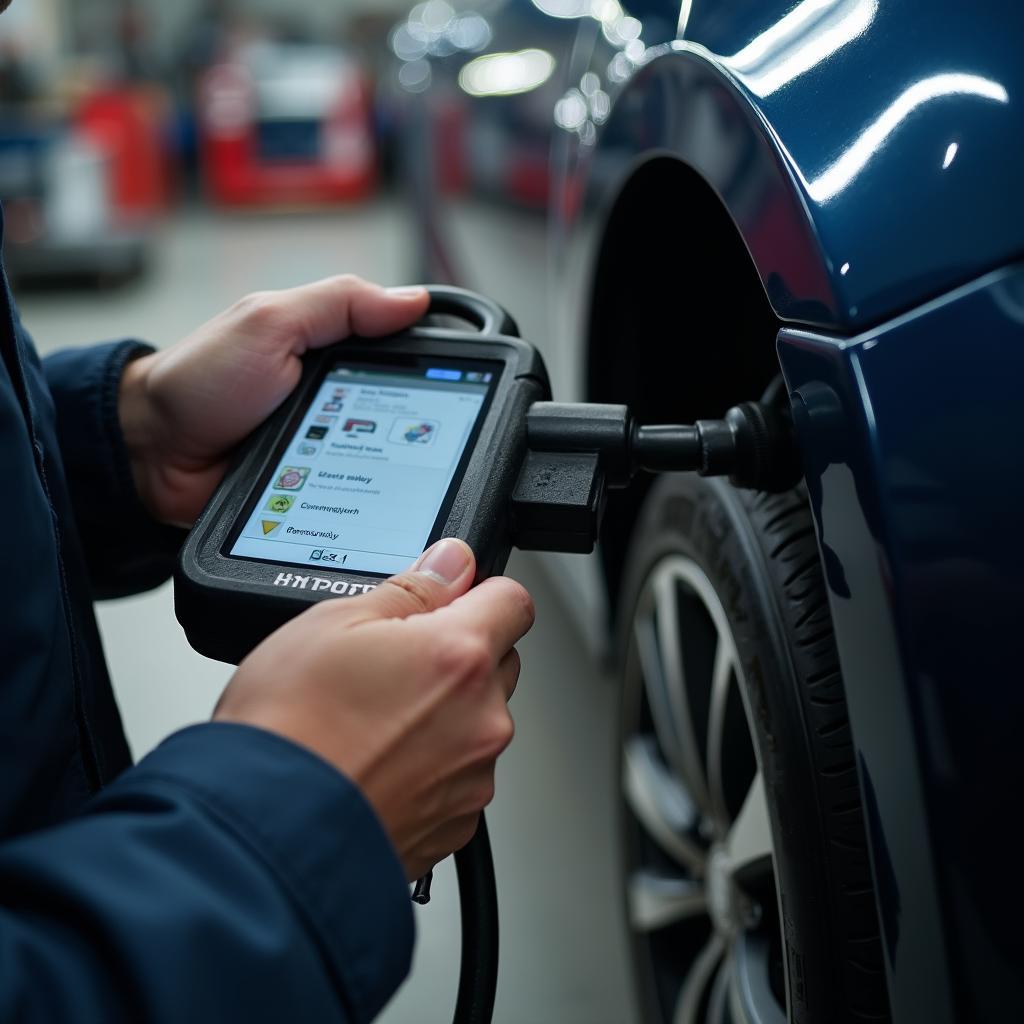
(660, 803)
(670, 645)
(656, 901)
(718, 1002)
(656, 686)
(748, 844)
(722, 674)
(700, 974)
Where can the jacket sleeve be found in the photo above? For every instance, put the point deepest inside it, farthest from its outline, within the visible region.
(231, 875)
(126, 550)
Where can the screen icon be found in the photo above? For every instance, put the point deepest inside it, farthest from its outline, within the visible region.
(340, 393)
(292, 478)
(359, 427)
(279, 503)
(307, 449)
(327, 421)
(316, 433)
(332, 407)
(268, 527)
(413, 432)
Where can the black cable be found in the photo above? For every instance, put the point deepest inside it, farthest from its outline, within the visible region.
(478, 906)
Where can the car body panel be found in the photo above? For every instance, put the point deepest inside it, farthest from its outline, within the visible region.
(865, 100)
(917, 492)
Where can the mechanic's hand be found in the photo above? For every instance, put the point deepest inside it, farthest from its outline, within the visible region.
(184, 409)
(404, 690)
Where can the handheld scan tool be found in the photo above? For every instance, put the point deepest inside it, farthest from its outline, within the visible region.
(387, 445)
(384, 447)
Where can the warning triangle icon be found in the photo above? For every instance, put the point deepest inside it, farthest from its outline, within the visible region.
(269, 526)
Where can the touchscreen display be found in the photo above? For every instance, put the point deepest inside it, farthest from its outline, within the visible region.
(360, 484)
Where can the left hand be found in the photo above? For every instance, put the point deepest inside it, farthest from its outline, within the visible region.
(183, 410)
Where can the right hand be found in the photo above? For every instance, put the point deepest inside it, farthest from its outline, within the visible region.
(404, 690)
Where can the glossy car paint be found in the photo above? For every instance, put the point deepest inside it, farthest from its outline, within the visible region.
(909, 433)
(869, 155)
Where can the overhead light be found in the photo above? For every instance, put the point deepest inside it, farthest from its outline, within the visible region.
(571, 111)
(563, 8)
(505, 74)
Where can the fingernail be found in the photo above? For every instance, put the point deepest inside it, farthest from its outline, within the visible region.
(446, 561)
(406, 291)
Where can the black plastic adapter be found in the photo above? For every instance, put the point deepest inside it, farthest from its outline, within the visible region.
(576, 451)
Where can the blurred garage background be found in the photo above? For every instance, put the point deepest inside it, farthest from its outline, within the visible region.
(158, 161)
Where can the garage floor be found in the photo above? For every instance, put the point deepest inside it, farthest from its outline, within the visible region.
(552, 824)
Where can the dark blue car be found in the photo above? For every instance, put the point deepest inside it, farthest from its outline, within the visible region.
(690, 205)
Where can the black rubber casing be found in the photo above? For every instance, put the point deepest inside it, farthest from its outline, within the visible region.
(228, 605)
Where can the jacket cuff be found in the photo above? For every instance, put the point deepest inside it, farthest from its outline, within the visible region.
(316, 833)
(126, 549)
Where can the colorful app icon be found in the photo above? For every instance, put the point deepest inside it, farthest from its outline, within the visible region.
(340, 393)
(307, 449)
(268, 527)
(316, 433)
(292, 478)
(359, 427)
(332, 407)
(418, 432)
(327, 421)
(279, 503)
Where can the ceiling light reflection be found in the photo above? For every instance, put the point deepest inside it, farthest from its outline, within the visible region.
(809, 34)
(852, 160)
(684, 18)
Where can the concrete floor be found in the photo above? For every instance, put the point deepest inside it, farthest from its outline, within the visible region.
(552, 823)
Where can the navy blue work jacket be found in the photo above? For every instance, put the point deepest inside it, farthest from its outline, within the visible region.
(230, 875)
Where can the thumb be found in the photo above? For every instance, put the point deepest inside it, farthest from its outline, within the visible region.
(338, 306)
(442, 573)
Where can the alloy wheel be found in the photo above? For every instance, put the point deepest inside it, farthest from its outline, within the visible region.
(699, 880)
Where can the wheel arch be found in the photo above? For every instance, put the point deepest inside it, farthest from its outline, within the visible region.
(677, 340)
(697, 245)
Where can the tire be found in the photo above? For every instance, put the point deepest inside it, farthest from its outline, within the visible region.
(745, 869)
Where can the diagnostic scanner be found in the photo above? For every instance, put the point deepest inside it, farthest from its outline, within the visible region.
(385, 446)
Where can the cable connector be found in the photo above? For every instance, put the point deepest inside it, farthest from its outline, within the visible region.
(576, 451)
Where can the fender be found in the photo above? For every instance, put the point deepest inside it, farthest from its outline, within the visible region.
(859, 148)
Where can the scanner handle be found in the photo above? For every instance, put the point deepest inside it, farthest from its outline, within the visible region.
(487, 316)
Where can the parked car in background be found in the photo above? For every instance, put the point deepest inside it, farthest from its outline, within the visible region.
(286, 123)
(691, 205)
(84, 172)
